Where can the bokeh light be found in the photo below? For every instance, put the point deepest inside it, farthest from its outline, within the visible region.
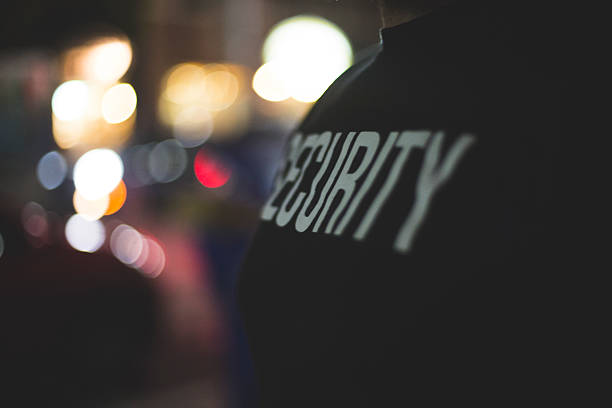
(34, 219)
(97, 173)
(143, 255)
(118, 103)
(270, 83)
(167, 161)
(126, 244)
(210, 170)
(198, 101)
(91, 110)
(106, 60)
(85, 235)
(137, 250)
(116, 199)
(67, 134)
(153, 263)
(51, 170)
(213, 86)
(137, 160)
(221, 88)
(90, 129)
(193, 126)
(70, 100)
(90, 209)
(309, 52)
(185, 83)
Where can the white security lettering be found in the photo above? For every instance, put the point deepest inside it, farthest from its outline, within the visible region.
(330, 181)
(382, 156)
(407, 141)
(346, 181)
(269, 210)
(357, 169)
(284, 215)
(303, 221)
(433, 175)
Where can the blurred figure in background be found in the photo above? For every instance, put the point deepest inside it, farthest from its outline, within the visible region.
(405, 255)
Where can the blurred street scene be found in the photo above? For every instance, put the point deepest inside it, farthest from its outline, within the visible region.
(138, 140)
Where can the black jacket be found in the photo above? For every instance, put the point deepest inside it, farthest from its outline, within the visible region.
(404, 256)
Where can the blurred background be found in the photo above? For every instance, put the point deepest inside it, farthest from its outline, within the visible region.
(138, 140)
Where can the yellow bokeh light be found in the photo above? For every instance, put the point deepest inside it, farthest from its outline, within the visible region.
(213, 86)
(90, 209)
(83, 135)
(68, 134)
(269, 82)
(307, 84)
(304, 38)
(197, 99)
(91, 110)
(185, 83)
(78, 111)
(308, 53)
(106, 60)
(118, 103)
(221, 89)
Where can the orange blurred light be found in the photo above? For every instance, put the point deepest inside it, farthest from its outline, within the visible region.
(116, 199)
(211, 172)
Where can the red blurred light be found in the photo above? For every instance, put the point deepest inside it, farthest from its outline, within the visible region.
(210, 171)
